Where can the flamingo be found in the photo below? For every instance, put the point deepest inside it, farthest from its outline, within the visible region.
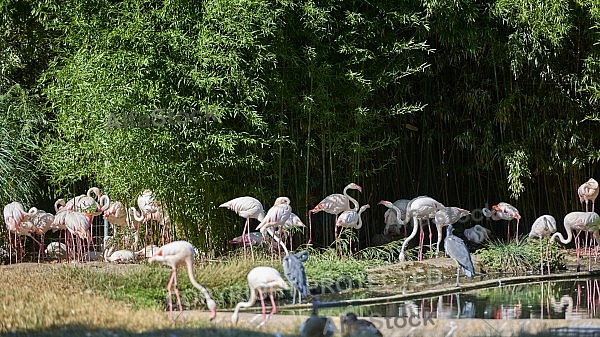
(56, 250)
(276, 217)
(390, 217)
(40, 223)
(334, 204)
(254, 238)
(543, 227)
(261, 279)
(419, 208)
(351, 219)
(588, 191)
(579, 221)
(110, 255)
(248, 208)
(14, 216)
(477, 234)
(508, 212)
(444, 217)
(151, 209)
(148, 251)
(85, 202)
(176, 253)
(78, 224)
(292, 222)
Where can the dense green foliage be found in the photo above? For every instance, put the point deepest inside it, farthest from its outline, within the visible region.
(468, 102)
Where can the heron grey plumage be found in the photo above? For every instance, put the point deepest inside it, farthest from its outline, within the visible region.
(294, 272)
(456, 249)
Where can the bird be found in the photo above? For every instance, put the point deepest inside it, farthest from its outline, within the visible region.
(248, 208)
(112, 255)
(276, 217)
(14, 216)
(390, 216)
(543, 227)
(508, 212)
(78, 224)
(334, 204)
(578, 221)
(254, 238)
(588, 191)
(457, 250)
(477, 234)
(419, 208)
(152, 210)
(286, 230)
(351, 219)
(294, 272)
(261, 279)
(315, 325)
(148, 251)
(353, 326)
(174, 254)
(40, 223)
(444, 217)
(56, 250)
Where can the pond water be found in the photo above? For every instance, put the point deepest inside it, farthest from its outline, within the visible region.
(564, 299)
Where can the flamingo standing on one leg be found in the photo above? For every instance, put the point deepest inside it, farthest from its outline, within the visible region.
(351, 219)
(579, 221)
(174, 254)
(508, 212)
(334, 204)
(248, 208)
(261, 279)
(543, 227)
(444, 217)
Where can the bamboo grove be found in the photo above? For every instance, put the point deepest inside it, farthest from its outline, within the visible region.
(470, 102)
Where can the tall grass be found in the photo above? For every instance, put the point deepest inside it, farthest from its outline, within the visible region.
(519, 258)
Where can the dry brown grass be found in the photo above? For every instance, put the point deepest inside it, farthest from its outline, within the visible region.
(42, 300)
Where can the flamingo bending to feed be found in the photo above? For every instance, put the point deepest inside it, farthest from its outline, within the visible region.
(543, 227)
(14, 216)
(578, 221)
(334, 204)
(444, 217)
(174, 254)
(248, 208)
(260, 280)
(390, 216)
(276, 217)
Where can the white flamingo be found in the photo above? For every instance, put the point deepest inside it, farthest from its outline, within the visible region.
(112, 255)
(248, 208)
(334, 204)
(444, 217)
(174, 254)
(543, 227)
(390, 216)
(351, 219)
(41, 222)
(261, 280)
(578, 221)
(276, 216)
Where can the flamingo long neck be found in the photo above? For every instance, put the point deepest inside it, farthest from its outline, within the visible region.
(272, 233)
(362, 209)
(410, 237)
(136, 215)
(190, 272)
(398, 214)
(562, 238)
(351, 199)
(250, 303)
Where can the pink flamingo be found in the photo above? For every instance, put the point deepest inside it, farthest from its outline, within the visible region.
(579, 221)
(79, 225)
(248, 208)
(444, 217)
(40, 223)
(261, 279)
(543, 227)
(14, 216)
(174, 254)
(334, 204)
(508, 212)
(351, 219)
(588, 191)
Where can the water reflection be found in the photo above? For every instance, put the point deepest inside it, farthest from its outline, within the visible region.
(574, 299)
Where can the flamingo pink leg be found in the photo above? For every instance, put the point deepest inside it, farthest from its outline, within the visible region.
(262, 304)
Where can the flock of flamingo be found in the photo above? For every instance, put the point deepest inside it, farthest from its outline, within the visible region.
(74, 218)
